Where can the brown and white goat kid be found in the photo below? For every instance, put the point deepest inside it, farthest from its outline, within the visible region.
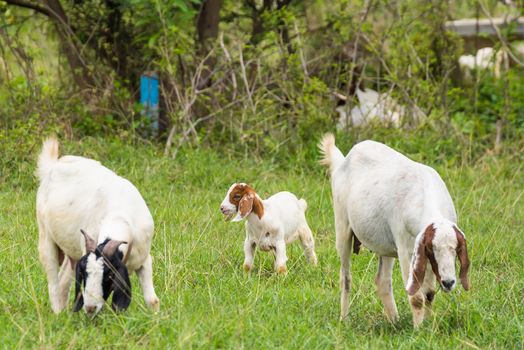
(78, 195)
(397, 208)
(271, 223)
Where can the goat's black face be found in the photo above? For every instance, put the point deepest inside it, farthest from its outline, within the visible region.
(99, 273)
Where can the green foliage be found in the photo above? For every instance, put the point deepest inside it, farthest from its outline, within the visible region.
(270, 97)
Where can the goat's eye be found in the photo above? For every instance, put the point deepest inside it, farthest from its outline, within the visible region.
(237, 196)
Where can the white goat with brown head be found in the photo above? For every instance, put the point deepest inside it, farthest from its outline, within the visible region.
(271, 223)
(397, 208)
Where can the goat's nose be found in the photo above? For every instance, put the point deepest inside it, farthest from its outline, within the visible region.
(448, 284)
(90, 310)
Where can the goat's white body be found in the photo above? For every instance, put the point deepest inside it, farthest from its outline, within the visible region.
(283, 218)
(485, 59)
(386, 200)
(79, 193)
(283, 222)
(373, 105)
(277, 221)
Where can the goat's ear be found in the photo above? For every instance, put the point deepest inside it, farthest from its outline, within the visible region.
(245, 206)
(79, 279)
(121, 286)
(462, 253)
(111, 247)
(90, 243)
(417, 269)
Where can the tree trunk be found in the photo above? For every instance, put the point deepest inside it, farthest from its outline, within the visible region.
(283, 30)
(78, 67)
(207, 28)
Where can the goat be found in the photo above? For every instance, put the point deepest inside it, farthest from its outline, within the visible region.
(397, 208)
(372, 106)
(271, 223)
(78, 195)
(485, 59)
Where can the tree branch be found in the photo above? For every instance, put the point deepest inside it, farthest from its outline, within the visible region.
(30, 5)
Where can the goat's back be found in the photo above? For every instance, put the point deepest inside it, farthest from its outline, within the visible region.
(384, 193)
(79, 193)
(285, 210)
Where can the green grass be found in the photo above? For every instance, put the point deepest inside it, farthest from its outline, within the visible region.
(208, 302)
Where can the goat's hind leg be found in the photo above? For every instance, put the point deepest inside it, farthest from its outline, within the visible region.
(145, 277)
(308, 244)
(49, 257)
(344, 240)
(384, 288)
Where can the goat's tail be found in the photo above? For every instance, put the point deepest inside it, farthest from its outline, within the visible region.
(331, 155)
(302, 204)
(48, 157)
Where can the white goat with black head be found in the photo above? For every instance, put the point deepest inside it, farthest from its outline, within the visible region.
(96, 222)
(397, 208)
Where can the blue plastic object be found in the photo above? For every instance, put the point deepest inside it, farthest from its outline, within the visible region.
(149, 97)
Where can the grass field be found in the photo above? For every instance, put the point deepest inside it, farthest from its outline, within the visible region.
(207, 301)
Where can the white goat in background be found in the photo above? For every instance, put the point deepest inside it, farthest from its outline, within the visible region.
(374, 106)
(485, 59)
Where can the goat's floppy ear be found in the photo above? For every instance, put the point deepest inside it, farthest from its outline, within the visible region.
(245, 206)
(121, 286)
(462, 253)
(79, 279)
(90, 243)
(417, 269)
(111, 247)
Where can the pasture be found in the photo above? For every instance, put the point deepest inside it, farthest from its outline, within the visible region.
(207, 301)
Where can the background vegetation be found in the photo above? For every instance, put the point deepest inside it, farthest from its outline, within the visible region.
(257, 76)
(247, 88)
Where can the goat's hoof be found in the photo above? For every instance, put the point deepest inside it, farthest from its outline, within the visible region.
(57, 309)
(154, 304)
(247, 267)
(393, 319)
(417, 323)
(282, 270)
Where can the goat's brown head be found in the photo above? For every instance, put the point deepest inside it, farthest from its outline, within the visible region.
(241, 199)
(439, 243)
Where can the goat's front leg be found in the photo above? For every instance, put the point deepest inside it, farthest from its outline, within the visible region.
(384, 289)
(280, 256)
(65, 277)
(428, 288)
(416, 301)
(145, 277)
(249, 254)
